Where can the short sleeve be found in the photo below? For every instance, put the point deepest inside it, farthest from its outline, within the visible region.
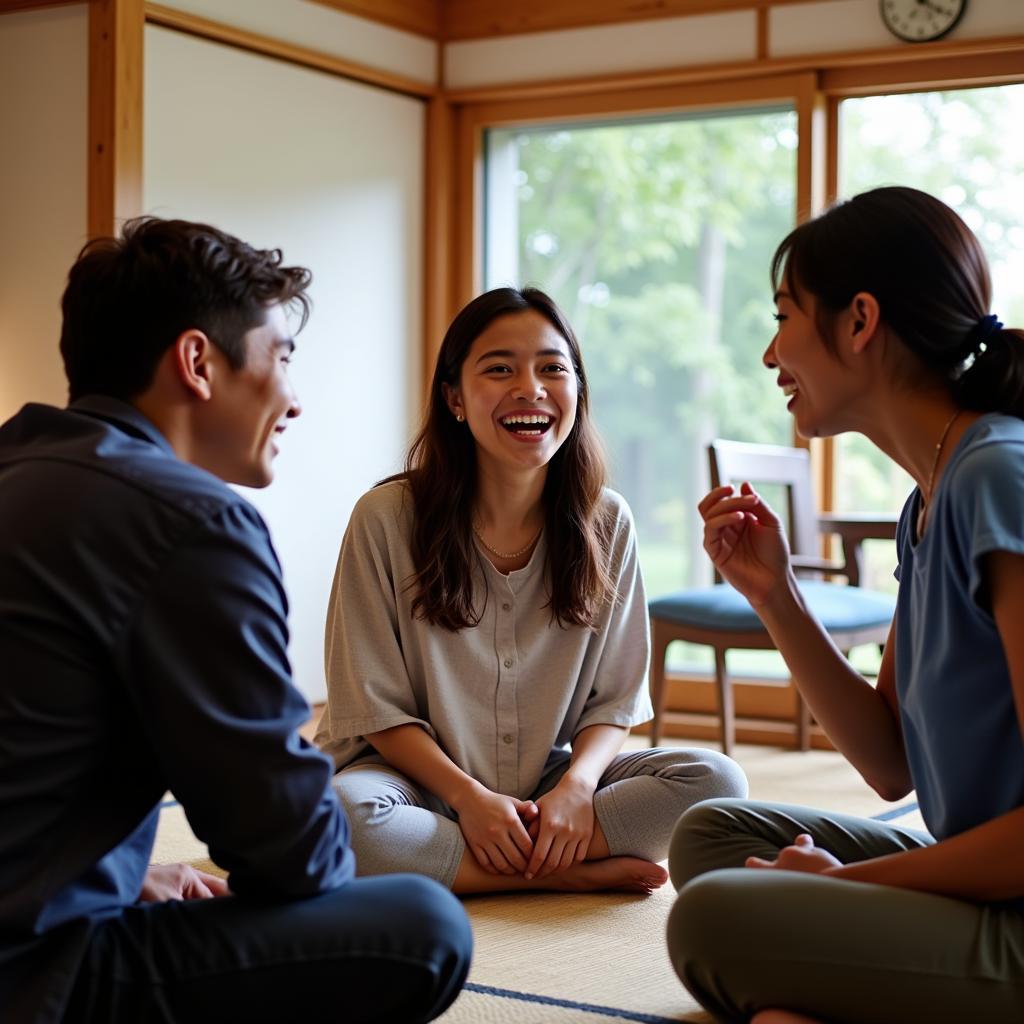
(620, 693)
(368, 684)
(988, 485)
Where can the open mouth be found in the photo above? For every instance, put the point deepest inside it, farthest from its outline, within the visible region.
(527, 424)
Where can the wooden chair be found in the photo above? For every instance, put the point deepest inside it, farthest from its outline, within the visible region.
(719, 617)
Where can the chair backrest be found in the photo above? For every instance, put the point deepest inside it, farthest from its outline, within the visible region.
(732, 462)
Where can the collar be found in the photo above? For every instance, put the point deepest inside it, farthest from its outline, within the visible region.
(122, 415)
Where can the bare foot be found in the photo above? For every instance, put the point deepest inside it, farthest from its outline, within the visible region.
(618, 874)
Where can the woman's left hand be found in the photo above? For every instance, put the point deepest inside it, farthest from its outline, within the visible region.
(562, 833)
(803, 855)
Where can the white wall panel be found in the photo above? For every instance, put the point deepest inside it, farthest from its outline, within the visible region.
(43, 212)
(322, 28)
(985, 18)
(331, 172)
(668, 42)
(827, 27)
(841, 25)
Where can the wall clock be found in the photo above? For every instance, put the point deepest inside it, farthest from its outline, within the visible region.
(921, 21)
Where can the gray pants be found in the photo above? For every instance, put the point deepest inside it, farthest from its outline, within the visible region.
(743, 940)
(399, 827)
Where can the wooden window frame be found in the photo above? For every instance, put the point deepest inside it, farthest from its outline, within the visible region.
(816, 91)
(456, 120)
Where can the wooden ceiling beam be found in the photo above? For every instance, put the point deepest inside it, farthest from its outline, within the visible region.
(422, 17)
(458, 20)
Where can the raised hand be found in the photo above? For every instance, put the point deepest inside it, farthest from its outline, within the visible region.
(562, 832)
(494, 827)
(745, 540)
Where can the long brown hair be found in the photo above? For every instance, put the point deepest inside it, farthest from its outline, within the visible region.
(442, 475)
(929, 274)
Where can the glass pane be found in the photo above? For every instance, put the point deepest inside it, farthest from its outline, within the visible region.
(655, 238)
(966, 148)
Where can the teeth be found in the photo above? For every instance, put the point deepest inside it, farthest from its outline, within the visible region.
(789, 389)
(518, 418)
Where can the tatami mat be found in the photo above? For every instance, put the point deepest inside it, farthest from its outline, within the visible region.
(596, 952)
(478, 1005)
(561, 958)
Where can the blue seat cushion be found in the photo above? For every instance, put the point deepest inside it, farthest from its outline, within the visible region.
(837, 607)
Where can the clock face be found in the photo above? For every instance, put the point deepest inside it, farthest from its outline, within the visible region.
(919, 21)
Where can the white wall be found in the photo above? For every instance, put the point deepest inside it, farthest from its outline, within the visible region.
(819, 26)
(327, 30)
(603, 49)
(331, 172)
(43, 128)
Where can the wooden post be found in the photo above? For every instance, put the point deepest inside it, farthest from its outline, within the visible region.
(116, 42)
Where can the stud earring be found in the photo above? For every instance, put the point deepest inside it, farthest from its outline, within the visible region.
(459, 417)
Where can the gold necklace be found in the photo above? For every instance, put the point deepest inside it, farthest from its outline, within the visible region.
(515, 554)
(938, 453)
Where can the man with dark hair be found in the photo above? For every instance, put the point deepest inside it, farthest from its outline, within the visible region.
(143, 648)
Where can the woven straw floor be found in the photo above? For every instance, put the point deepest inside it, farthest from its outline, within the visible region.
(597, 959)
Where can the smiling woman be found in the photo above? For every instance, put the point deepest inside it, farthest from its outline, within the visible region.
(487, 638)
(886, 329)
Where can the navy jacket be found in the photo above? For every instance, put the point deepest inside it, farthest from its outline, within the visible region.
(143, 649)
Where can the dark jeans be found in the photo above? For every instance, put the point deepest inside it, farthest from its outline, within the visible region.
(388, 949)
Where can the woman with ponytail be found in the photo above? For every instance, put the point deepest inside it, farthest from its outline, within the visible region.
(787, 914)
(487, 638)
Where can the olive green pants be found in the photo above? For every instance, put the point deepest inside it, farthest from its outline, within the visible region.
(744, 940)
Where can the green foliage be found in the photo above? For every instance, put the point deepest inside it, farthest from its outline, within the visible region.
(655, 238)
(963, 147)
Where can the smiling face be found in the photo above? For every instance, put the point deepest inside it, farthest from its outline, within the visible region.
(251, 406)
(818, 383)
(517, 391)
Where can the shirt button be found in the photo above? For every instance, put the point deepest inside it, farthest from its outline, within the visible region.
(508, 663)
(507, 738)
(506, 607)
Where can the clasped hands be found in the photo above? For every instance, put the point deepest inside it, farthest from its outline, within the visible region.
(531, 838)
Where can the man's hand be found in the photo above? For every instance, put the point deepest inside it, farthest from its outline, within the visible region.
(803, 855)
(165, 882)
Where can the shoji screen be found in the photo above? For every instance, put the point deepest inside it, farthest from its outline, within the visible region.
(331, 172)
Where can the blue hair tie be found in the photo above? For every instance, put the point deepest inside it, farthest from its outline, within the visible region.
(976, 343)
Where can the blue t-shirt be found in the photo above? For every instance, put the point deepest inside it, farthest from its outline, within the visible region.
(960, 725)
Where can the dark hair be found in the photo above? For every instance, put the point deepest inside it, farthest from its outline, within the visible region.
(128, 299)
(930, 277)
(442, 475)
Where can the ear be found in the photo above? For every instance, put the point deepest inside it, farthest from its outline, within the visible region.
(864, 318)
(192, 359)
(453, 397)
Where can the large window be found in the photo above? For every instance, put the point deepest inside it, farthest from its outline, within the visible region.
(655, 234)
(655, 238)
(966, 148)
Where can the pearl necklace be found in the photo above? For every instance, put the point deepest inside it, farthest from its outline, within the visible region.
(514, 554)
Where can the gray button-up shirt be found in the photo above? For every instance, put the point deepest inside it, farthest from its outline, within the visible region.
(498, 697)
